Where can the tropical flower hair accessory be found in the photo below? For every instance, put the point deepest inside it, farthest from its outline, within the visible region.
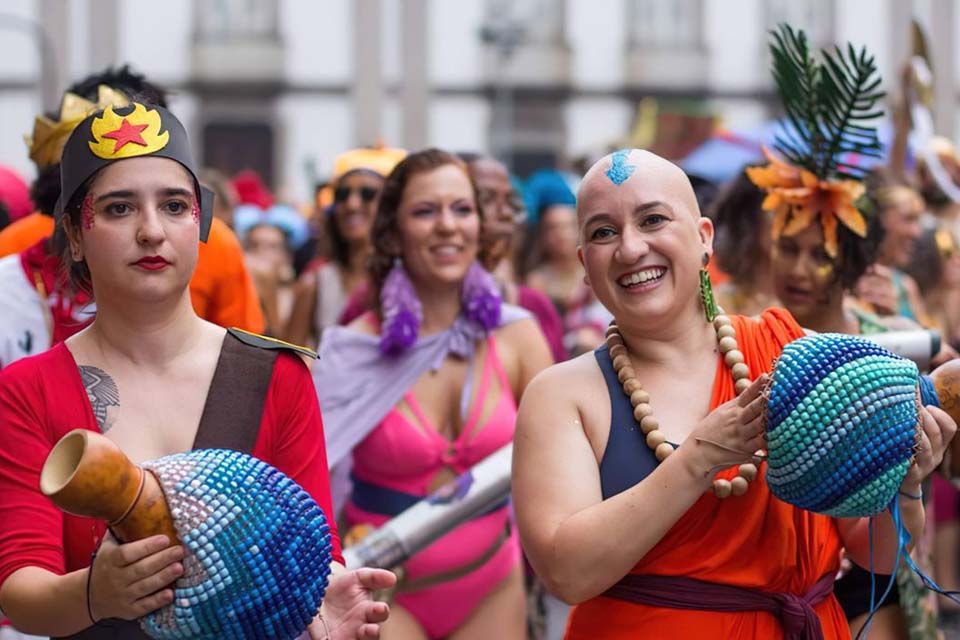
(829, 104)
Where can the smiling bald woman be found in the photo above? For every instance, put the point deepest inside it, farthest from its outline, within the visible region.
(640, 545)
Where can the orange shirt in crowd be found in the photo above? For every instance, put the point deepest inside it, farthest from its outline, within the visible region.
(22, 234)
(221, 289)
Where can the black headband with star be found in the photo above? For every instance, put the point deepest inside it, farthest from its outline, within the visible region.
(112, 135)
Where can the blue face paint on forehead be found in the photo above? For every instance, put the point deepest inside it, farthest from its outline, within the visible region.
(620, 170)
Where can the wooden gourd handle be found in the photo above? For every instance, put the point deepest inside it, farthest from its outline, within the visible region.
(87, 475)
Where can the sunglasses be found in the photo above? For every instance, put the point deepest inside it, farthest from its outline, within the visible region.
(367, 194)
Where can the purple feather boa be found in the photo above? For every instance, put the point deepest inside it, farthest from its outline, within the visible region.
(403, 312)
(481, 298)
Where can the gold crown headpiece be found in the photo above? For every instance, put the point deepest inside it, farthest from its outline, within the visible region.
(49, 136)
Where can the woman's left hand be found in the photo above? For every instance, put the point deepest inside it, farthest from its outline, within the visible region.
(938, 430)
(349, 610)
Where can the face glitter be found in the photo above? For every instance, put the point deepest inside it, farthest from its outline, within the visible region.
(620, 170)
(825, 270)
(195, 212)
(86, 212)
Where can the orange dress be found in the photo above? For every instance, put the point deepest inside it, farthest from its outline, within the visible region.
(754, 541)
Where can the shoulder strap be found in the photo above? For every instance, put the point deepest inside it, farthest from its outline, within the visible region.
(627, 459)
(238, 393)
(266, 342)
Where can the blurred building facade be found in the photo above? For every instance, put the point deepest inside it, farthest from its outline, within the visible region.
(283, 86)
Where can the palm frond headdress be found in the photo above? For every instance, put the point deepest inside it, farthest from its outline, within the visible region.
(829, 104)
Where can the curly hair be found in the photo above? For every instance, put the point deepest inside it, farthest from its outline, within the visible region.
(738, 220)
(855, 254)
(386, 229)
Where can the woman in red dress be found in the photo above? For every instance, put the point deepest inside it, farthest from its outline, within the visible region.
(133, 213)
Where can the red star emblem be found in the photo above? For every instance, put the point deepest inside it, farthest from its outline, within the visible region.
(127, 133)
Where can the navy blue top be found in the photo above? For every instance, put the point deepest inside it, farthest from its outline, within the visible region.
(627, 459)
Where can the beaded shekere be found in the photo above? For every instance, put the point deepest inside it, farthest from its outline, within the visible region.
(257, 549)
(842, 422)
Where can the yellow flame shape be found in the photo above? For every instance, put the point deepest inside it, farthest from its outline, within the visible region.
(110, 121)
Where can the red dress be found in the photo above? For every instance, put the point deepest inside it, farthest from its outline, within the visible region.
(754, 541)
(42, 398)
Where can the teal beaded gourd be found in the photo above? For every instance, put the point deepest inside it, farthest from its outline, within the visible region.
(257, 545)
(842, 424)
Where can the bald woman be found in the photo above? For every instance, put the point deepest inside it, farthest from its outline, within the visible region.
(644, 548)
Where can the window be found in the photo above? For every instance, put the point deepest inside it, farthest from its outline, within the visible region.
(235, 19)
(815, 17)
(536, 22)
(231, 147)
(655, 24)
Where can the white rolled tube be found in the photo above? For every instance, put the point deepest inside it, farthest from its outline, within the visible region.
(483, 486)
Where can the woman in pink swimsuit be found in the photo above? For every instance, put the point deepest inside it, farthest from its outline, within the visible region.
(433, 294)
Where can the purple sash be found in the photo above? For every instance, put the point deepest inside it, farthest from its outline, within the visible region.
(796, 613)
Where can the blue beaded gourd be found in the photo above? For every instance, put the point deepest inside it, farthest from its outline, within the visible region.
(257, 548)
(842, 425)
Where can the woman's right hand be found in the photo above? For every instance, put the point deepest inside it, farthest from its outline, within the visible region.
(128, 581)
(731, 433)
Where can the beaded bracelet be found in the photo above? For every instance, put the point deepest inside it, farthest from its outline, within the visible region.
(918, 496)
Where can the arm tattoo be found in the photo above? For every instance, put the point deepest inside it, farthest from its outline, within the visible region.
(102, 393)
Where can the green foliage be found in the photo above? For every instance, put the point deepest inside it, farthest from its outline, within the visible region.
(829, 104)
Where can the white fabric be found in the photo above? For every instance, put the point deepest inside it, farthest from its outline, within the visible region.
(23, 329)
(331, 298)
(9, 633)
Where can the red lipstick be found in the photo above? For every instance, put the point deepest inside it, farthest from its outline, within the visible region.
(152, 263)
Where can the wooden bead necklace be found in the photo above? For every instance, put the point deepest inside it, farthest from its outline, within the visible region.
(643, 412)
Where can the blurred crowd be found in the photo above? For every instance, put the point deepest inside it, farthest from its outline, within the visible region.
(291, 270)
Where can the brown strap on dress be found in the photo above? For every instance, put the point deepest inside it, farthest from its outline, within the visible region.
(238, 393)
(230, 420)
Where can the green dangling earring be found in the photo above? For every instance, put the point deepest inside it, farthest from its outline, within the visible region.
(710, 308)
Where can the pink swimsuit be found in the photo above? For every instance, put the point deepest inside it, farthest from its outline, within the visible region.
(398, 460)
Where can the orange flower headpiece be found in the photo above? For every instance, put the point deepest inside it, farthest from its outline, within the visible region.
(797, 198)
